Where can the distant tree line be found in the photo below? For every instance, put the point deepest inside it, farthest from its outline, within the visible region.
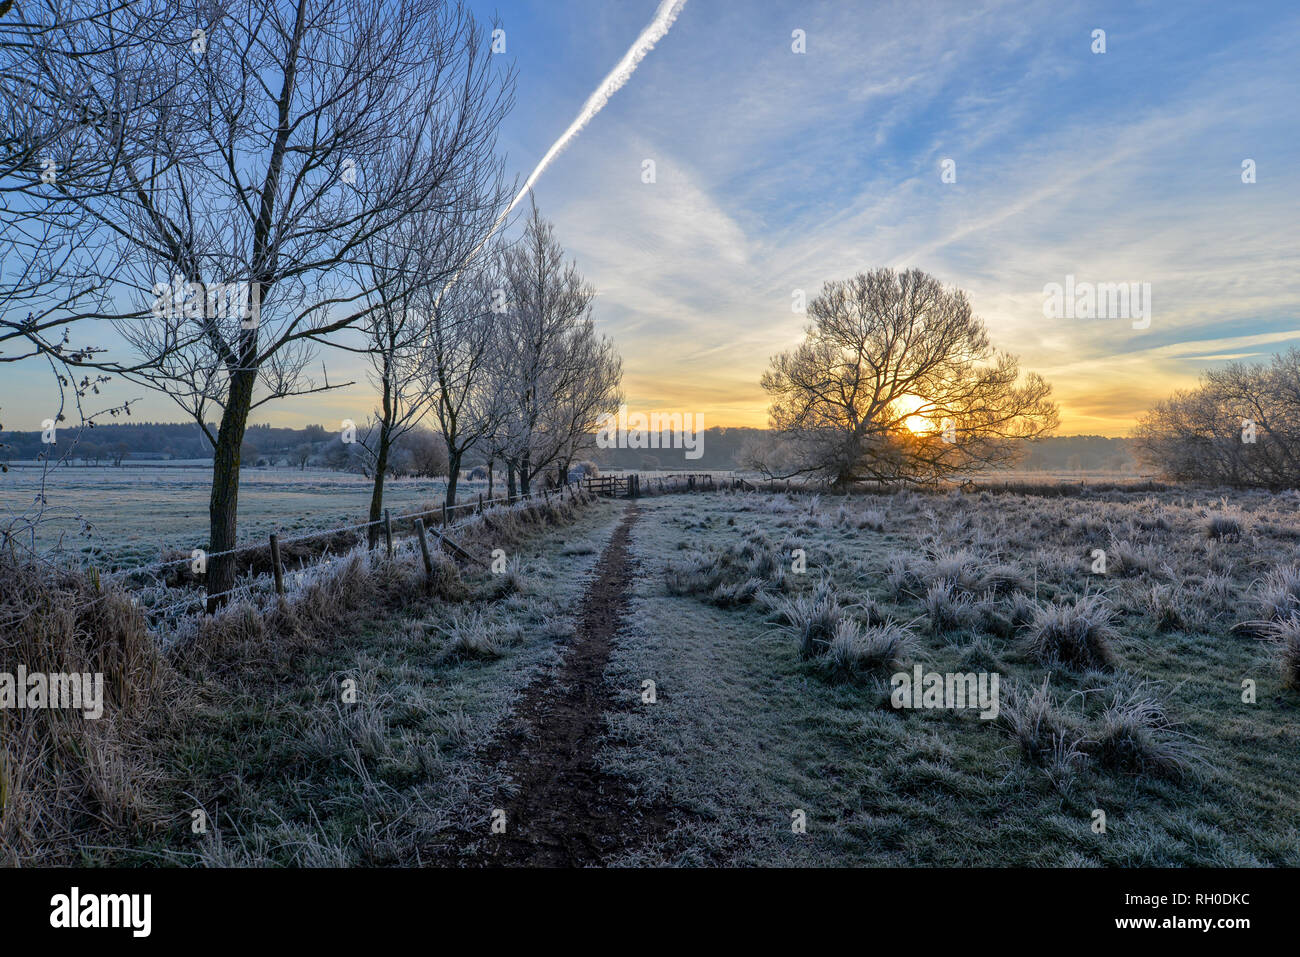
(266, 445)
(1078, 453)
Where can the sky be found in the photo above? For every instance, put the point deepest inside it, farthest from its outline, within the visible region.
(776, 171)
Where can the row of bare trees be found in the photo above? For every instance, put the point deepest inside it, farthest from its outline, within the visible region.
(503, 358)
(232, 184)
(1240, 426)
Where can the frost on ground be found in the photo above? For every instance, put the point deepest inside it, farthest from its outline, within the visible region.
(1145, 645)
(1121, 691)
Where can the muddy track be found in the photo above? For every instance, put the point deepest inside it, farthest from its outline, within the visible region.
(567, 813)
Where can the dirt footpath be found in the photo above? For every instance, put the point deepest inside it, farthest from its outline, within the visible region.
(567, 813)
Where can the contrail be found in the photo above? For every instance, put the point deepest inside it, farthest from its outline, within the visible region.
(622, 72)
(613, 82)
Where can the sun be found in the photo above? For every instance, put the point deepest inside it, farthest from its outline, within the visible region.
(916, 424)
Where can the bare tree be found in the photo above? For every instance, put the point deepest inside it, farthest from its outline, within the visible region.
(394, 333)
(426, 339)
(555, 374)
(1240, 426)
(77, 84)
(896, 381)
(574, 414)
(303, 129)
(458, 356)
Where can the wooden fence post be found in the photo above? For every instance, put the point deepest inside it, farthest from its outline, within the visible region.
(276, 568)
(424, 549)
(388, 532)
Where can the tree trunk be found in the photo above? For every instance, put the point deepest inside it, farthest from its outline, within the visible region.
(377, 494)
(491, 477)
(510, 481)
(223, 503)
(453, 473)
(381, 457)
(523, 474)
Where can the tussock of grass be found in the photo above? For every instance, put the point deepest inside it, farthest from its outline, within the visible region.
(736, 593)
(1286, 634)
(945, 607)
(1165, 607)
(1136, 734)
(873, 519)
(1221, 526)
(1034, 721)
(470, 636)
(1279, 595)
(812, 619)
(1076, 634)
(855, 651)
(730, 577)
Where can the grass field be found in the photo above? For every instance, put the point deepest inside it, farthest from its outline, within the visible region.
(746, 732)
(1121, 692)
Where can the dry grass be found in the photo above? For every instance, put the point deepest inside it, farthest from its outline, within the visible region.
(855, 651)
(70, 785)
(813, 619)
(66, 779)
(1137, 735)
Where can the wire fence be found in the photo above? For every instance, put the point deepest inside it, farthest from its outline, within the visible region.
(446, 517)
(478, 506)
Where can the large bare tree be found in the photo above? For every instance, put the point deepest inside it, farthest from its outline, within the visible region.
(80, 84)
(896, 380)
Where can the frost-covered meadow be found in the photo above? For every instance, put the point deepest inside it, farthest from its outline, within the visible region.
(133, 514)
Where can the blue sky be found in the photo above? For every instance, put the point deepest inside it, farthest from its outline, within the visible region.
(778, 171)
